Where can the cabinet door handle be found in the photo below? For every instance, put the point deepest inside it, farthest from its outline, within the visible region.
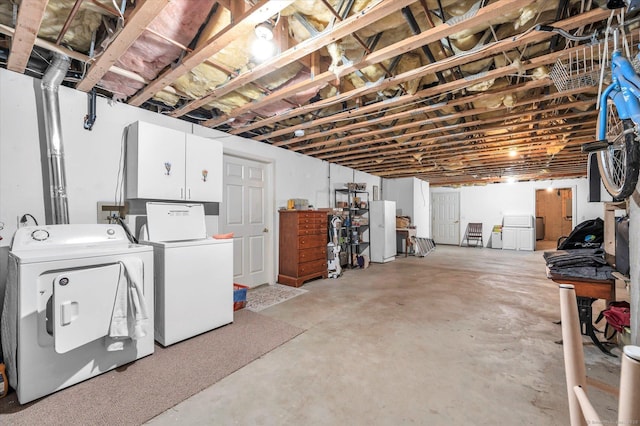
(189, 193)
(181, 193)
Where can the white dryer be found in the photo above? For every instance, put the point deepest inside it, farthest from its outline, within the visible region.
(193, 273)
(65, 286)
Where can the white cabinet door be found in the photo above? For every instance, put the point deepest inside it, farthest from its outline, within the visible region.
(526, 239)
(509, 239)
(203, 172)
(518, 238)
(155, 162)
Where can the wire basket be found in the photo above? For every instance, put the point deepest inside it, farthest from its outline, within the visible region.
(583, 67)
(580, 68)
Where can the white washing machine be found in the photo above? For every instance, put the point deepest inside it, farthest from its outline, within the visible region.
(65, 284)
(193, 273)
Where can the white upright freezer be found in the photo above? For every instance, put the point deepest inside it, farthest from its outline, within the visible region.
(193, 273)
(382, 224)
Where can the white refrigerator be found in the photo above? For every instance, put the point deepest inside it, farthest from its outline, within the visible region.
(382, 224)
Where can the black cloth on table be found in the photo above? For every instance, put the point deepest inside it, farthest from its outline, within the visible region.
(579, 263)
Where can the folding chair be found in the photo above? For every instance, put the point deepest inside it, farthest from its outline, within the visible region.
(581, 411)
(473, 233)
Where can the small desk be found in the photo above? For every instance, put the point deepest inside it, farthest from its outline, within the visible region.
(406, 234)
(587, 292)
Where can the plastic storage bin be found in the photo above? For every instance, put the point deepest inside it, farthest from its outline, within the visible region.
(239, 296)
(496, 237)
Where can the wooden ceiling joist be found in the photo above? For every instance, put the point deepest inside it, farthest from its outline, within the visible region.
(450, 114)
(498, 47)
(260, 12)
(30, 15)
(135, 25)
(434, 34)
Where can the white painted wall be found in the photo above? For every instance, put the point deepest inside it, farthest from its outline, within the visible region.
(412, 199)
(422, 208)
(296, 175)
(401, 191)
(489, 204)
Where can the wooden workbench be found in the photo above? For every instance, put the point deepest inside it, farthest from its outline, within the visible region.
(588, 291)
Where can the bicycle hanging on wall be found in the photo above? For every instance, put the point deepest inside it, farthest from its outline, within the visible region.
(617, 144)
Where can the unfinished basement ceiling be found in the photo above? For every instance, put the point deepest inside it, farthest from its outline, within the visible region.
(452, 92)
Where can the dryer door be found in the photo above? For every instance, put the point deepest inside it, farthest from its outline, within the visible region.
(83, 301)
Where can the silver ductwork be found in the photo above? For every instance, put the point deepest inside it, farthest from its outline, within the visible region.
(53, 130)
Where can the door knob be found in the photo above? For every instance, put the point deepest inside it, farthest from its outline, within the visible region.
(265, 230)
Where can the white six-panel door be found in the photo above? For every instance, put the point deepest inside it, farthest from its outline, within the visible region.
(245, 212)
(446, 217)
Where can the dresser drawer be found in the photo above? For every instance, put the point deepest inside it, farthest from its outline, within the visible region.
(309, 218)
(311, 230)
(312, 267)
(316, 253)
(310, 241)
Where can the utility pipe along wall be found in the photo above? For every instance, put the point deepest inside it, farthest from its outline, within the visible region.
(53, 131)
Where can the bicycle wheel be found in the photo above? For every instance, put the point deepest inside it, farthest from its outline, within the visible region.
(618, 163)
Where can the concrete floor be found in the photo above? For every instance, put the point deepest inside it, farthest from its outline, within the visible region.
(462, 336)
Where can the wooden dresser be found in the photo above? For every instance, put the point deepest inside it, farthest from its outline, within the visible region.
(303, 246)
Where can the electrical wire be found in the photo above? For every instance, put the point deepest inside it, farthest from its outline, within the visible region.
(24, 219)
(127, 231)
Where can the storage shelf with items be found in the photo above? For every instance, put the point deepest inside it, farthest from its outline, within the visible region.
(354, 238)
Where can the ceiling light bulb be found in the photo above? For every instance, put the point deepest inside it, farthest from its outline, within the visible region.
(262, 49)
(264, 31)
(513, 152)
(298, 132)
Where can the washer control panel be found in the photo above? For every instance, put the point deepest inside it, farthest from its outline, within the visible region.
(68, 236)
(40, 234)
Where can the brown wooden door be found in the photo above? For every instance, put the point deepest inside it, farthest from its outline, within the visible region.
(555, 207)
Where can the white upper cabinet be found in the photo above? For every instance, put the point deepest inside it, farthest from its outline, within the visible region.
(203, 175)
(166, 164)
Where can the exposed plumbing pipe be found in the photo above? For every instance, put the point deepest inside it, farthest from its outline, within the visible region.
(90, 118)
(53, 131)
(67, 23)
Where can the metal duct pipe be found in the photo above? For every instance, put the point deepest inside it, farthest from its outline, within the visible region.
(53, 130)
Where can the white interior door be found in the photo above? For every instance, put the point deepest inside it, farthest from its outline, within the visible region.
(246, 211)
(446, 217)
